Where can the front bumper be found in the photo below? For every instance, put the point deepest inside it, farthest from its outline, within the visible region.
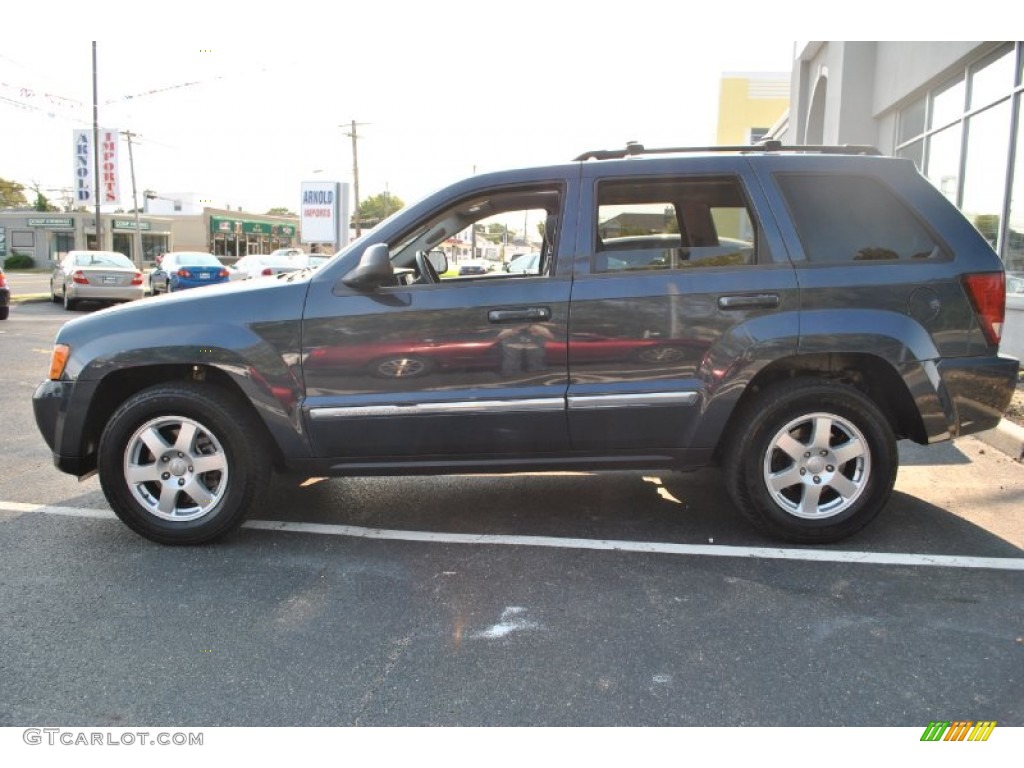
(63, 427)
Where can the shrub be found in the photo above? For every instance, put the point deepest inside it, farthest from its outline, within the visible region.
(19, 261)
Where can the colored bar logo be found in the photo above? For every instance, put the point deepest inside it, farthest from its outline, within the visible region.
(958, 730)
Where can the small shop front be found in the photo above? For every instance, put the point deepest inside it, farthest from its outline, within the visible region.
(153, 243)
(234, 238)
(46, 238)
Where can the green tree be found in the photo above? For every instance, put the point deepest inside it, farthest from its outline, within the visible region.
(12, 194)
(375, 209)
(43, 204)
(280, 212)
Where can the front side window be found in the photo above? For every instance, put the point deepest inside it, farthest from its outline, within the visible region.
(487, 236)
(673, 224)
(842, 218)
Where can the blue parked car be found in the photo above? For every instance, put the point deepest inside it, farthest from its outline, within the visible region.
(187, 269)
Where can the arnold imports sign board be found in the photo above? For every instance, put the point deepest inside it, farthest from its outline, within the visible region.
(85, 184)
(323, 212)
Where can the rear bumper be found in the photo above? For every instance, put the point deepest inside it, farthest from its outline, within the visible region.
(977, 391)
(78, 292)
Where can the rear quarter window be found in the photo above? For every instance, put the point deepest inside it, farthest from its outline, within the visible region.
(842, 219)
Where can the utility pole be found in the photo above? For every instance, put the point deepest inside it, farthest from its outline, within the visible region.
(96, 151)
(355, 172)
(137, 238)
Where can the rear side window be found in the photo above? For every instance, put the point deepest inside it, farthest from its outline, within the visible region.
(843, 218)
(673, 224)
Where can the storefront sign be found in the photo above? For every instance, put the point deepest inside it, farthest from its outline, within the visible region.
(123, 224)
(52, 222)
(219, 225)
(84, 182)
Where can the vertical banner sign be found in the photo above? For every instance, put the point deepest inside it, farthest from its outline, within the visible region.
(323, 212)
(84, 183)
(108, 168)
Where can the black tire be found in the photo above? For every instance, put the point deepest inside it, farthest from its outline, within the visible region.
(69, 304)
(53, 294)
(4, 312)
(796, 484)
(145, 433)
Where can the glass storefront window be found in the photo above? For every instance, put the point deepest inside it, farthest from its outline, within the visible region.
(992, 81)
(153, 246)
(948, 103)
(912, 121)
(1013, 254)
(123, 243)
(988, 141)
(915, 152)
(60, 244)
(944, 161)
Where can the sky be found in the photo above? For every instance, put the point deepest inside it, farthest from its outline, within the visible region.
(240, 109)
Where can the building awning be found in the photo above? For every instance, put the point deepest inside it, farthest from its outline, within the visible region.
(224, 225)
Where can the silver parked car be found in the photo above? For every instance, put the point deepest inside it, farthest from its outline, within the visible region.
(95, 276)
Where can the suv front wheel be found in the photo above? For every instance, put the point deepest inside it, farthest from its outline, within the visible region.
(816, 461)
(182, 463)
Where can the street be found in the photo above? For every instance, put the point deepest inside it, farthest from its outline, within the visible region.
(572, 599)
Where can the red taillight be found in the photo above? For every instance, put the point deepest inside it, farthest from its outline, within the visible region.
(3, 280)
(223, 273)
(183, 273)
(80, 278)
(987, 293)
(137, 280)
(267, 271)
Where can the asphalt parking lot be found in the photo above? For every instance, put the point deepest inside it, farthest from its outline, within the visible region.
(624, 599)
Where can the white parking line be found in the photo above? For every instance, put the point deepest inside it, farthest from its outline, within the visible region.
(652, 547)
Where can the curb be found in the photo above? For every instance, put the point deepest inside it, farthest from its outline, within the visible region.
(1006, 437)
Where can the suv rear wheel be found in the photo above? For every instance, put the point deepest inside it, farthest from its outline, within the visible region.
(816, 461)
(182, 464)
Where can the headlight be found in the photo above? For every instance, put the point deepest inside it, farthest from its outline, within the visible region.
(58, 360)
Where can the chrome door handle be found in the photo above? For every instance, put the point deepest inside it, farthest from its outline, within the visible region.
(758, 301)
(534, 314)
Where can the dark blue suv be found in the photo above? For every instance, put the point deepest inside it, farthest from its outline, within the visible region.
(788, 313)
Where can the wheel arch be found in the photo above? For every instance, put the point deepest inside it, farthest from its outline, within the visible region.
(875, 377)
(119, 385)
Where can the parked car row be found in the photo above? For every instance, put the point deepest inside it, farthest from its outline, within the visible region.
(109, 276)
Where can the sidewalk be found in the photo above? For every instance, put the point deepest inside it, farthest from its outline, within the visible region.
(1007, 437)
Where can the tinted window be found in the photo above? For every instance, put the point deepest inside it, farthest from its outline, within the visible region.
(672, 224)
(853, 218)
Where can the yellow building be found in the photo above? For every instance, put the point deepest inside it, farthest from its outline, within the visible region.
(749, 103)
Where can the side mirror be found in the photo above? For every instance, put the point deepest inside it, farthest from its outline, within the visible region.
(439, 261)
(373, 271)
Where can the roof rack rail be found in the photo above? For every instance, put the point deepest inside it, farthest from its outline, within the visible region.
(634, 148)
